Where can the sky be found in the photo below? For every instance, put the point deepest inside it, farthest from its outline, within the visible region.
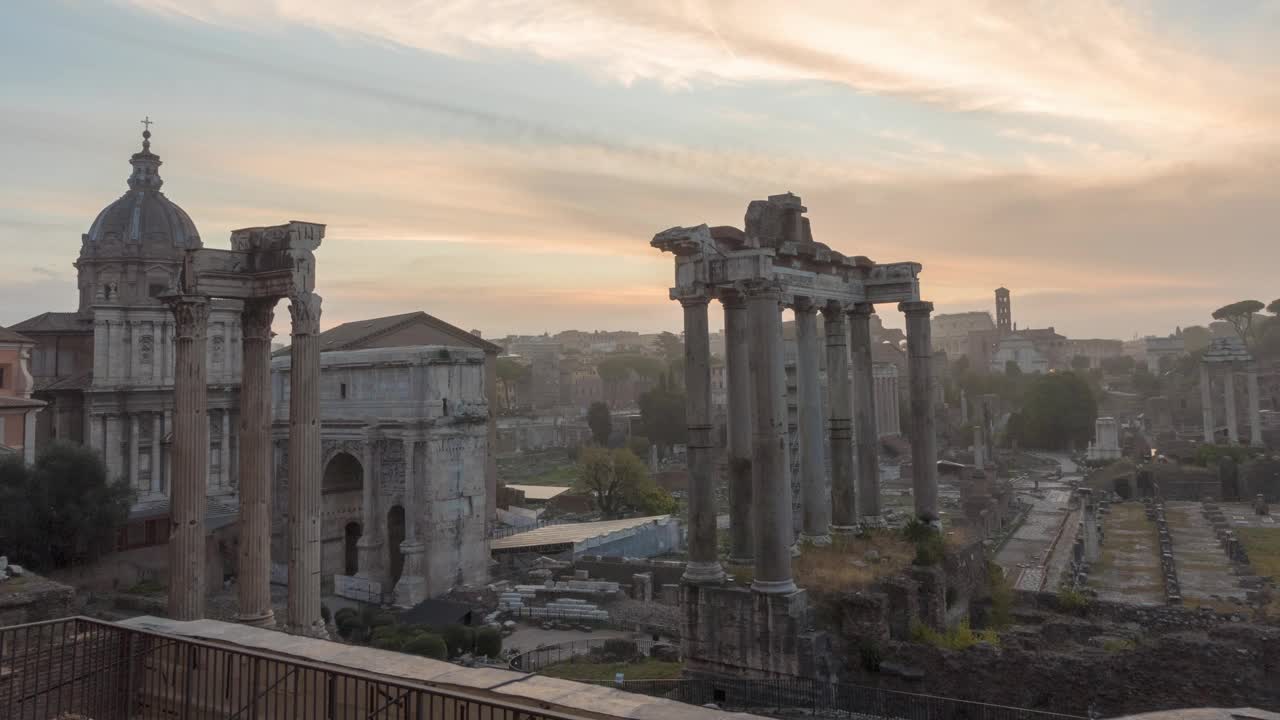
(504, 164)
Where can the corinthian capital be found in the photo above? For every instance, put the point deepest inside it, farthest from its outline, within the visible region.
(190, 315)
(304, 308)
(256, 319)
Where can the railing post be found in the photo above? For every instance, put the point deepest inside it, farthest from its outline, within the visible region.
(129, 669)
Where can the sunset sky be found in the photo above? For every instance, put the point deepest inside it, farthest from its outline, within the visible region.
(503, 164)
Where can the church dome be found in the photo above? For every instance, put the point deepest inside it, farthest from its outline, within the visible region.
(142, 222)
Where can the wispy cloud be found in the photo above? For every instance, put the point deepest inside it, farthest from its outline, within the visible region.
(1088, 60)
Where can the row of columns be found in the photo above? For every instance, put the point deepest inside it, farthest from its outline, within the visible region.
(105, 432)
(190, 459)
(1229, 400)
(759, 481)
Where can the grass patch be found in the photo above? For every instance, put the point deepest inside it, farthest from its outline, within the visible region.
(647, 669)
(1072, 600)
(958, 637)
(1118, 645)
(146, 587)
(1263, 546)
(843, 564)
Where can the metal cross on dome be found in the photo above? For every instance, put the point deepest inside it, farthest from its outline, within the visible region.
(146, 123)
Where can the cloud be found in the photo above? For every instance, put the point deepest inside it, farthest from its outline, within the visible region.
(1087, 60)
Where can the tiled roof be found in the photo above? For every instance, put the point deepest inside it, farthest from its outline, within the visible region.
(7, 403)
(55, 322)
(569, 534)
(9, 336)
(349, 336)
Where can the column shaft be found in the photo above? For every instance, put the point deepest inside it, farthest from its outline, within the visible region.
(771, 487)
(864, 411)
(816, 499)
(187, 570)
(304, 467)
(924, 455)
(370, 539)
(224, 449)
(254, 575)
(839, 408)
(133, 451)
(704, 563)
(741, 427)
(1255, 415)
(157, 435)
(411, 588)
(1206, 402)
(1229, 395)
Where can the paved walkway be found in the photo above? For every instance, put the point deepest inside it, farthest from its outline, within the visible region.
(1204, 572)
(1025, 557)
(1129, 569)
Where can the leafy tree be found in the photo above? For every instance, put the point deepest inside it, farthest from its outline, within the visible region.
(1240, 315)
(669, 345)
(1011, 368)
(651, 499)
(62, 510)
(489, 642)
(615, 368)
(432, 646)
(1274, 307)
(600, 422)
(1059, 413)
(1144, 383)
(1118, 365)
(1196, 337)
(639, 445)
(617, 480)
(1080, 363)
(662, 413)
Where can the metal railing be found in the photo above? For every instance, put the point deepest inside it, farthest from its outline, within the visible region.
(616, 650)
(83, 668)
(792, 697)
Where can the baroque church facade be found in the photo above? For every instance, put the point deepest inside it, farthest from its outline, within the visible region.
(106, 369)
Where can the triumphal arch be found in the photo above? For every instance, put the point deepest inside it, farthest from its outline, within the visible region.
(264, 265)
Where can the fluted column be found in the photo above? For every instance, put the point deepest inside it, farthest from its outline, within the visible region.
(815, 498)
(190, 460)
(254, 576)
(1206, 402)
(1255, 415)
(412, 586)
(133, 451)
(924, 454)
(157, 436)
(839, 408)
(304, 467)
(741, 427)
(704, 562)
(166, 459)
(867, 446)
(771, 486)
(1229, 395)
(370, 540)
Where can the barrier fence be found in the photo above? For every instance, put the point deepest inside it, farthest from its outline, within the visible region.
(592, 650)
(792, 697)
(83, 668)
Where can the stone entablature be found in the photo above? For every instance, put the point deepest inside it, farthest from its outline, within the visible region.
(409, 427)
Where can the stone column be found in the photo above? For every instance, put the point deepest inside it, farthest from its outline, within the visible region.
(157, 436)
(839, 408)
(867, 446)
(304, 467)
(704, 563)
(1229, 395)
(741, 427)
(113, 455)
(924, 456)
(166, 459)
(187, 569)
(224, 450)
(1255, 415)
(133, 451)
(815, 498)
(370, 541)
(29, 436)
(95, 434)
(412, 586)
(254, 576)
(1206, 402)
(771, 488)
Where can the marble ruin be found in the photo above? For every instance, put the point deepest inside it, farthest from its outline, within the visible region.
(1106, 441)
(1229, 355)
(771, 265)
(404, 448)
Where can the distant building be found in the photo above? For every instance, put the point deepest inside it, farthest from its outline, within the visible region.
(1034, 351)
(1096, 350)
(1156, 352)
(951, 331)
(1004, 311)
(17, 409)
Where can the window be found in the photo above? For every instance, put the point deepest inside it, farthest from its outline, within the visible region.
(2, 374)
(156, 289)
(342, 391)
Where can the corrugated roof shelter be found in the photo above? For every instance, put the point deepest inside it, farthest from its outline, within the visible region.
(540, 493)
(581, 537)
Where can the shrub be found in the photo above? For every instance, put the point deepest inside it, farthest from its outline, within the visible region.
(958, 637)
(380, 618)
(489, 642)
(387, 643)
(428, 645)
(619, 649)
(929, 550)
(1001, 598)
(1117, 645)
(1072, 600)
(459, 639)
